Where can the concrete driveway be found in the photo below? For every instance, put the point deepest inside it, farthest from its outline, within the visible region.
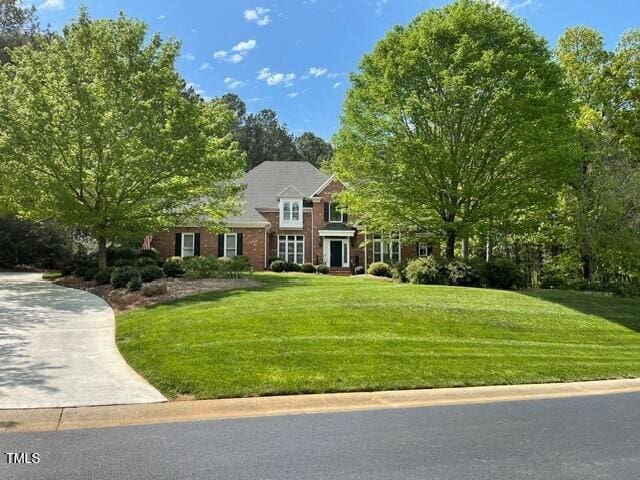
(57, 349)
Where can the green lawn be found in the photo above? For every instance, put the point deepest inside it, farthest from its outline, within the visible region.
(299, 333)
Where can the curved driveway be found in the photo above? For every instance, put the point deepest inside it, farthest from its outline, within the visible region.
(57, 349)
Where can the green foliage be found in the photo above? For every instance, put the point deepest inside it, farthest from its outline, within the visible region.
(154, 289)
(380, 269)
(454, 125)
(292, 267)
(38, 244)
(423, 271)
(89, 273)
(18, 26)
(465, 273)
(134, 284)
(144, 261)
(216, 267)
(263, 138)
(173, 267)
(149, 273)
(103, 276)
(123, 262)
(322, 269)
(504, 274)
(278, 266)
(121, 276)
(108, 142)
(313, 149)
(308, 268)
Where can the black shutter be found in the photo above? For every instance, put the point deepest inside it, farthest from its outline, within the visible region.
(326, 211)
(178, 250)
(239, 244)
(196, 245)
(417, 249)
(221, 245)
(345, 218)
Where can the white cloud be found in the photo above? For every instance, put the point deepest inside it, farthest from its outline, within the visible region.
(242, 49)
(293, 94)
(189, 56)
(52, 5)
(232, 83)
(511, 6)
(161, 17)
(276, 79)
(317, 71)
(206, 66)
(333, 75)
(193, 30)
(258, 15)
(245, 46)
(337, 84)
(379, 5)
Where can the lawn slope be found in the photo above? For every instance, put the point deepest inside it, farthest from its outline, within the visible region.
(299, 333)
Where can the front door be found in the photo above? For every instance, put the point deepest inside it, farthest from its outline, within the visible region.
(336, 253)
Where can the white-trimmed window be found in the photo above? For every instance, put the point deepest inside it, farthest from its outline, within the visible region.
(336, 215)
(188, 244)
(231, 245)
(386, 249)
(291, 248)
(424, 250)
(291, 213)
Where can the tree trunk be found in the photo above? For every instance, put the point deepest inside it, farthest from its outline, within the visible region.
(489, 253)
(102, 251)
(451, 245)
(587, 267)
(465, 248)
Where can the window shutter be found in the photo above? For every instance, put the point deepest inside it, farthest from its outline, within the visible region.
(196, 245)
(239, 243)
(178, 250)
(417, 249)
(326, 211)
(345, 218)
(221, 245)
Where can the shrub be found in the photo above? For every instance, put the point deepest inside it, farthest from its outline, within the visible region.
(380, 269)
(465, 273)
(272, 259)
(149, 254)
(89, 273)
(123, 262)
(322, 269)
(239, 265)
(423, 271)
(134, 284)
(154, 289)
(144, 261)
(173, 267)
(122, 275)
(398, 272)
(204, 267)
(308, 268)
(150, 273)
(292, 267)
(278, 266)
(103, 276)
(359, 270)
(504, 274)
(125, 253)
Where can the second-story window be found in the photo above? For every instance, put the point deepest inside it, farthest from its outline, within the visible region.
(290, 213)
(335, 213)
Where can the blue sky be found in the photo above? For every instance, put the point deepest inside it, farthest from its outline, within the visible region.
(295, 55)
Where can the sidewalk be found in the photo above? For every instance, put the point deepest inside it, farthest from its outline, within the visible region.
(120, 415)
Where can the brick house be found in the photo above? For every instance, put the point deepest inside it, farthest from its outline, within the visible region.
(290, 212)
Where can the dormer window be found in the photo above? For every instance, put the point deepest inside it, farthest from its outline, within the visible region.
(291, 213)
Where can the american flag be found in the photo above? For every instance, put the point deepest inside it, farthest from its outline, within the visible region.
(146, 244)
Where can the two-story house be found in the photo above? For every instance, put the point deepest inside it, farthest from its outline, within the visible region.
(290, 212)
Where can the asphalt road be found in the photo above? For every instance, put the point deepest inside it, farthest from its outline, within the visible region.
(578, 438)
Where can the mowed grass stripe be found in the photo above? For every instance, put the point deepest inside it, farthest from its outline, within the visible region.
(300, 333)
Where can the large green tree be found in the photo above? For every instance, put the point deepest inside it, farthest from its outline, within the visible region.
(454, 123)
(95, 132)
(263, 138)
(604, 200)
(313, 149)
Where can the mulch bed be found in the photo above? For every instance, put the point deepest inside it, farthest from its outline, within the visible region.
(122, 300)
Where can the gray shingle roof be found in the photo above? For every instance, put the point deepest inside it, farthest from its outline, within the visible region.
(266, 182)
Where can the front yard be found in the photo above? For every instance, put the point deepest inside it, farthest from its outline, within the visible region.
(297, 333)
